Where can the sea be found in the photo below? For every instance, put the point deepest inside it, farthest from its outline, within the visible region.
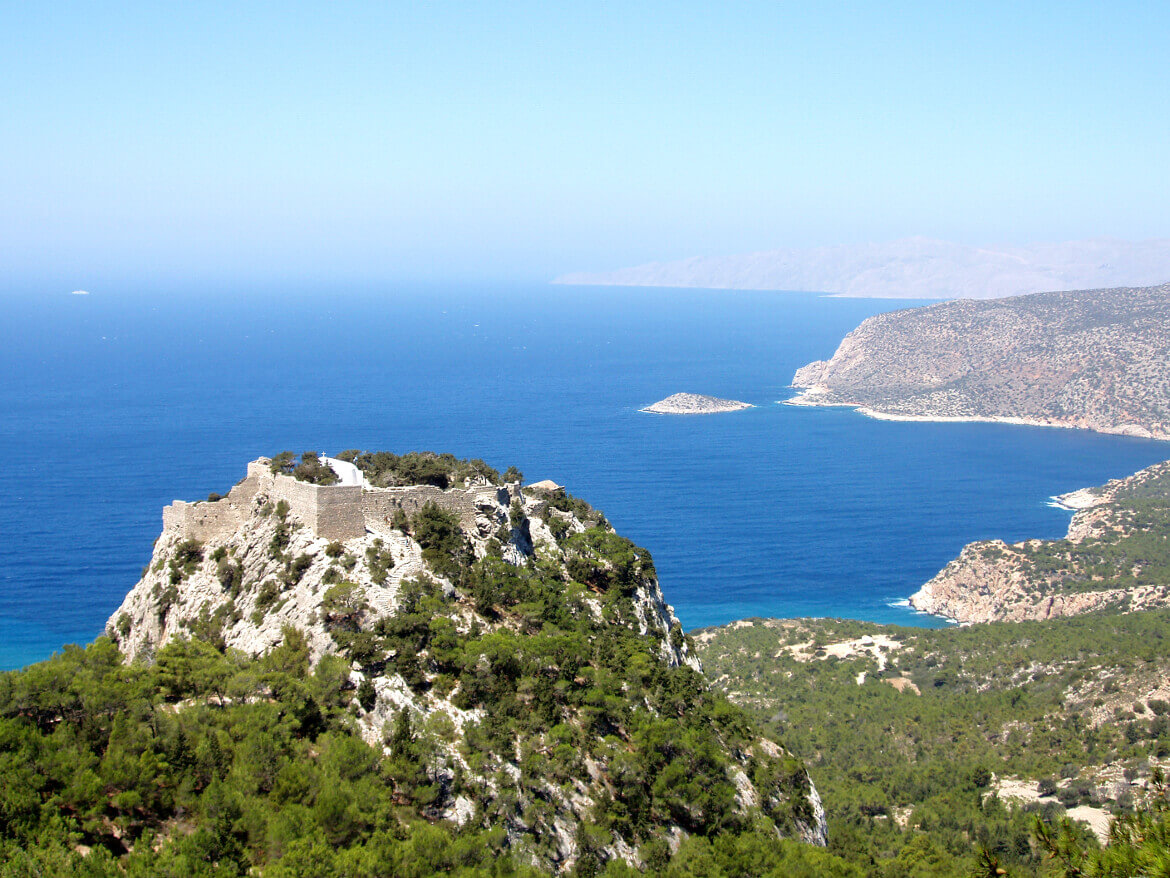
(115, 403)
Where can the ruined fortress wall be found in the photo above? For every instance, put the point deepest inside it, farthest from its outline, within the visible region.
(202, 521)
(339, 513)
(333, 512)
(381, 503)
(210, 519)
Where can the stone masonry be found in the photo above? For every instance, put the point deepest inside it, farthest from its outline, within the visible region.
(333, 512)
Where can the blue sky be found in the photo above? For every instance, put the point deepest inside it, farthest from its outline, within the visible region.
(256, 142)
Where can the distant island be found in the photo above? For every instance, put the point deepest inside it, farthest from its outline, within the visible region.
(913, 268)
(695, 404)
(1094, 359)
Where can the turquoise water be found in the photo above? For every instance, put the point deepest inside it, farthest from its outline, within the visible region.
(112, 405)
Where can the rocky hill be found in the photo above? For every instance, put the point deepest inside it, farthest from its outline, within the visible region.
(1094, 359)
(562, 703)
(1116, 556)
(913, 268)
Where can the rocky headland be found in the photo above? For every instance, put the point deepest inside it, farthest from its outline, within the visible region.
(1092, 359)
(528, 640)
(1115, 557)
(695, 404)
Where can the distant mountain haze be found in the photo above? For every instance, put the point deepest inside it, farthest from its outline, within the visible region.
(912, 268)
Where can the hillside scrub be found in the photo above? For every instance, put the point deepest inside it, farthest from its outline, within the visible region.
(905, 748)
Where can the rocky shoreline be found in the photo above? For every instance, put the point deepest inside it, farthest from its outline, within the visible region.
(1043, 579)
(819, 397)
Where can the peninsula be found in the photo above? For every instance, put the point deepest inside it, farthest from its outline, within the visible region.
(695, 404)
(1094, 359)
(1116, 556)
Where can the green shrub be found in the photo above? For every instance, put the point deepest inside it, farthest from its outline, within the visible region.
(367, 695)
(295, 569)
(230, 575)
(267, 596)
(441, 537)
(186, 559)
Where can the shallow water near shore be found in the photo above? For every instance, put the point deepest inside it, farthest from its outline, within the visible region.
(116, 403)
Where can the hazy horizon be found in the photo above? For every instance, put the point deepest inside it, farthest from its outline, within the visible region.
(428, 142)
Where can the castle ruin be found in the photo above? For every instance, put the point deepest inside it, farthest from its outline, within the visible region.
(333, 512)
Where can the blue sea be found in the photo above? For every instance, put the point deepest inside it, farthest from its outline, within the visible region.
(115, 403)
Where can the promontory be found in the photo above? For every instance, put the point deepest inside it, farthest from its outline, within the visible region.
(695, 404)
(491, 662)
(1115, 557)
(1095, 359)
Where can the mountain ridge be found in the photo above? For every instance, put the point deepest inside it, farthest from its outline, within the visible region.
(912, 268)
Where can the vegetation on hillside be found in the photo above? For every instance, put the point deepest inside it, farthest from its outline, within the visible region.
(908, 737)
(1129, 545)
(212, 764)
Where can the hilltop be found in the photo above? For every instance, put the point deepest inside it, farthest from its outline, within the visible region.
(390, 678)
(913, 268)
(1094, 359)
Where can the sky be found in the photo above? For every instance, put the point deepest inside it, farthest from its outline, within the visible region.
(275, 143)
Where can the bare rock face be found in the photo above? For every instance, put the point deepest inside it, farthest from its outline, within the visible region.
(1113, 558)
(1093, 359)
(243, 570)
(695, 404)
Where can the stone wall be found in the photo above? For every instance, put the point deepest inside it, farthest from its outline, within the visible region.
(202, 521)
(380, 504)
(209, 519)
(333, 512)
(339, 512)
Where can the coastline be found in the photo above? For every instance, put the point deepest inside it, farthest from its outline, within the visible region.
(807, 397)
(1075, 501)
(990, 580)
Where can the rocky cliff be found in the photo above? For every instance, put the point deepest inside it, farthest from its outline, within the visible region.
(528, 639)
(1116, 556)
(1094, 359)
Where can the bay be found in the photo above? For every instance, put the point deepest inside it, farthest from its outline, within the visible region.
(116, 403)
